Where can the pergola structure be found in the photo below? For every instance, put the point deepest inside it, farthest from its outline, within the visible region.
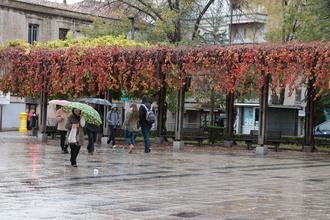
(77, 71)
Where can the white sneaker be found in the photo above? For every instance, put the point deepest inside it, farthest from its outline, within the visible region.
(114, 146)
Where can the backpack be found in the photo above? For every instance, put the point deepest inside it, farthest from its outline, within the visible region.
(150, 115)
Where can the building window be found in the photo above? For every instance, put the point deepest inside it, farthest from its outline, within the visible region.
(62, 33)
(207, 36)
(33, 33)
(236, 5)
(256, 117)
(298, 95)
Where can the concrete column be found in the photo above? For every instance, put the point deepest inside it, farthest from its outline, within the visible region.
(42, 136)
(178, 144)
(263, 114)
(239, 120)
(1, 109)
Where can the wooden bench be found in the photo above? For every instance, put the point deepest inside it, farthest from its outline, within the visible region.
(273, 138)
(196, 134)
(215, 134)
(52, 131)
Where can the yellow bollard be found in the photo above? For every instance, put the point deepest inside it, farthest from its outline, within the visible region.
(22, 119)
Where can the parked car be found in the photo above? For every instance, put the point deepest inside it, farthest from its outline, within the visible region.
(322, 130)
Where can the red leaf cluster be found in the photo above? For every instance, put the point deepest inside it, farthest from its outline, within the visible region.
(90, 71)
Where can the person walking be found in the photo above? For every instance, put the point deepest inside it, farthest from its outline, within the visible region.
(146, 119)
(130, 126)
(61, 118)
(75, 126)
(113, 122)
(91, 134)
(92, 131)
(29, 117)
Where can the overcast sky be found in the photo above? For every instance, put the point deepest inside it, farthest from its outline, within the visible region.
(68, 1)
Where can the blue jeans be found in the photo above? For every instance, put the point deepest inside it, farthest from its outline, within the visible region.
(130, 137)
(91, 140)
(146, 133)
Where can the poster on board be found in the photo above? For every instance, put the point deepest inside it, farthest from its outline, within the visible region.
(4, 98)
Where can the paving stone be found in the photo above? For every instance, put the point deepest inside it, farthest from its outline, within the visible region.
(37, 182)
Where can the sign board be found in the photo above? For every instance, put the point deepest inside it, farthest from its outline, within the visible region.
(4, 98)
(301, 113)
(124, 99)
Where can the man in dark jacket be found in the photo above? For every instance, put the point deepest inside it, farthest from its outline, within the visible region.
(145, 125)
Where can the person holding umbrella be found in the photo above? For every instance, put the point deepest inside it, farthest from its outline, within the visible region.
(61, 118)
(81, 114)
(76, 134)
(113, 122)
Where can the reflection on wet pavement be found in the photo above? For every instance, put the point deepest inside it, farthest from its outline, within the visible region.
(37, 182)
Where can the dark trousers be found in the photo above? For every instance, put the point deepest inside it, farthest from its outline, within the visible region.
(146, 133)
(74, 153)
(91, 140)
(112, 135)
(63, 136)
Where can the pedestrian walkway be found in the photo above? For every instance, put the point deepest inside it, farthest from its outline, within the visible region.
(15, 136)
(37, 182)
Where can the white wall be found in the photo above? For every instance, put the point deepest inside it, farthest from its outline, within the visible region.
(10, 115)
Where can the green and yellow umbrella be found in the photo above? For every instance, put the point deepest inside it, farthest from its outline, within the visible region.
(89, 113)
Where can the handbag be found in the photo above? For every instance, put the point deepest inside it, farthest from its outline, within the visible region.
(82, 121)
(72, 139)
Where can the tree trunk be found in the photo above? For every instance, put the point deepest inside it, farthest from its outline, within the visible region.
(199, 18)
(212, 107)
(282, 97)
(176, 37)
(230, 115)
(162, 111)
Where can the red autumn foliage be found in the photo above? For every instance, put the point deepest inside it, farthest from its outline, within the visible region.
(91, 71)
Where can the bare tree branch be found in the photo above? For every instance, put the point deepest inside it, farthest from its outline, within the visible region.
(293, 31)
(154, 17)
(199, 18)
(151, 9)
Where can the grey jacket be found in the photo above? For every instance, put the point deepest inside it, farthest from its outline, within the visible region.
(80, 134)
(113, 118)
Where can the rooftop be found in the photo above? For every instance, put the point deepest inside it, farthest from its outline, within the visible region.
(85, 7)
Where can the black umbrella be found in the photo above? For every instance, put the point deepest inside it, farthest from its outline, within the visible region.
(97, 101)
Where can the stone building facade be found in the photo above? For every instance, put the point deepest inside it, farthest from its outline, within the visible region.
(35, 20)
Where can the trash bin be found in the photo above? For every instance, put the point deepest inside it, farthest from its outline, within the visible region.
(22, 124)
(34, 124)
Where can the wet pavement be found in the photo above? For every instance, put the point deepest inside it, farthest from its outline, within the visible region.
(37, 182)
